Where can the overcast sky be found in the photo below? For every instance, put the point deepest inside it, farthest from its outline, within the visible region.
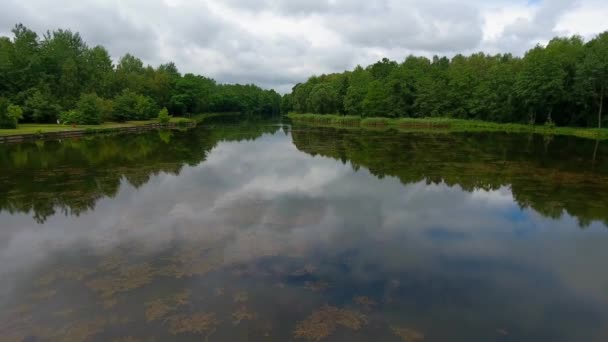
(277, 43)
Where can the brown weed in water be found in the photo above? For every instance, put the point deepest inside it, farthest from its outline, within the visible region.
(129, 278)
(159, 308)
(323, 322)
(64, 273)
(365, 302)
(200, 323)
(408, 334)
(316, 286)
(242, 314)
(240, 297)
(43, 295)
(80, 331)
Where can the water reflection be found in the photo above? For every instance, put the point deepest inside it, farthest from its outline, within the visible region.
(257, 233)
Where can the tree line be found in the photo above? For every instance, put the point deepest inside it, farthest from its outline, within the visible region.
(58, 76)
(563, 83)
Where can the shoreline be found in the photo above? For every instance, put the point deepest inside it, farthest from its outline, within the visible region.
(32, 132)
(442, 125)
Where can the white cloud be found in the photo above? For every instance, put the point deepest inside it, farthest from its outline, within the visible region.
(277, 43)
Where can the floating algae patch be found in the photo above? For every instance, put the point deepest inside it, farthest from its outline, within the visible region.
(159, 308)
(80, 331)
(109, 303)
(365, 302)
(43, 295)
(323, 322)
(408, 334)
(316, 286)
(192, 261)
(65, 273)
(134, 339)
(64, 313)
(306, 270)
(199, 323)
(242, 314)
(240, 297)
(129, 278)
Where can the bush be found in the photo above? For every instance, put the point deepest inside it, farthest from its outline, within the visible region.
(41, 107)
(71, 117)
(89, 108)
(163, 116)
(9, 114)
(132, 106)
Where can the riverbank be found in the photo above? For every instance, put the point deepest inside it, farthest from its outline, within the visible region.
(443, 125)
(52, 131)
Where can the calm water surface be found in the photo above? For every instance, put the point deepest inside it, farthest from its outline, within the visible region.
(262, 232)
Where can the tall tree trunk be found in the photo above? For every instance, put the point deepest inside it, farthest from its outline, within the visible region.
(599, 115)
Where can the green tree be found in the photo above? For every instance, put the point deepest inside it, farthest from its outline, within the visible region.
(9, 114)
(592, 74)
(324, 99)
(357, 90)
(163, 116)
(41, 107)
(90, 108)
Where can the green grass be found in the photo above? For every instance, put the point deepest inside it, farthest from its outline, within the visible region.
(444, 125)
(24, 129)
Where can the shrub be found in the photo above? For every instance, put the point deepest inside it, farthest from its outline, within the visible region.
(132, 106)
(89, 108)
(41, 107)
(163, 116)
(70, 117)
(9, 114)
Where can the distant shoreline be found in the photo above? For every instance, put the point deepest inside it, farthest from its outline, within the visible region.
(29, 132)
(443, 125)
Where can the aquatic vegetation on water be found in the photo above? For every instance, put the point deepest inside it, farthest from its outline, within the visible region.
(64, 313)
(316, 286)
(306, 270)
(129, 278)
(219, 291)
(159, 308)
(192, 261)
(365, 302)
(242, 314)
(240, 297)
(134, 339)
(43, 295)
(80, 331)
(323, 322)
(64, 273)
(199, 323)
(408, 334)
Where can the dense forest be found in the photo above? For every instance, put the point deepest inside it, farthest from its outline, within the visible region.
(562, 83)
(57, 76)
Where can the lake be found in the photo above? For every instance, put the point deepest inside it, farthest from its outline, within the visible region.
(261, 231)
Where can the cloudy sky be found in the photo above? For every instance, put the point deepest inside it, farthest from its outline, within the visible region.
(277, 43)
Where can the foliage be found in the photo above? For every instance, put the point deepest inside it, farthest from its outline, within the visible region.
(563, 83)
(48, 75)
(9, 114)
(439, 124)
(133, 106)
(90, 108)
(71, 117)
(163, 116)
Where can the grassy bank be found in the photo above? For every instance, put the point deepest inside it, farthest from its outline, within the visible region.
(28, 129)
(443, 125)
